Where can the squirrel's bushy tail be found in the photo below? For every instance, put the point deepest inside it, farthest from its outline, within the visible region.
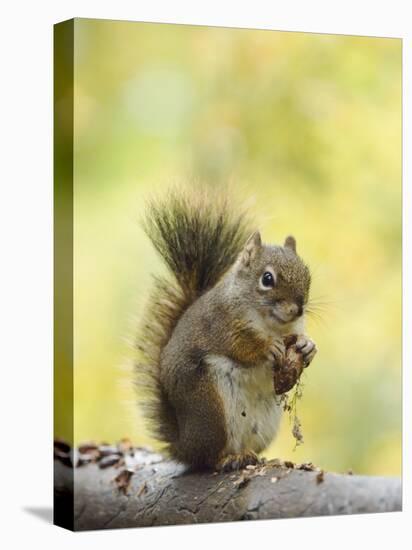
(198, 236)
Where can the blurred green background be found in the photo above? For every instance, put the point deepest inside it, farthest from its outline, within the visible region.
(308, 129)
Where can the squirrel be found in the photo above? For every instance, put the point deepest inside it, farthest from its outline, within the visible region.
(213, 331)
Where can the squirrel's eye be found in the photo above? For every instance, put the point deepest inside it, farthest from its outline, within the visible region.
(268, 280)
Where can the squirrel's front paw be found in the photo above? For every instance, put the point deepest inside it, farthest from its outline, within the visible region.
(307, 348)
(276, 353)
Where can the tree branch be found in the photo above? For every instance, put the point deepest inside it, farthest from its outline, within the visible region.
(144, 489)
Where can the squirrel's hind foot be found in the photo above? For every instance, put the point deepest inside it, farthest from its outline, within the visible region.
(237, 461)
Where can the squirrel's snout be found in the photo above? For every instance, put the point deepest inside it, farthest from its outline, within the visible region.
(288, 311)
(292, 309)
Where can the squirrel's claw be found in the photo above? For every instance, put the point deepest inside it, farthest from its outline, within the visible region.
(277, 352)
(237, 462)
(307, 348)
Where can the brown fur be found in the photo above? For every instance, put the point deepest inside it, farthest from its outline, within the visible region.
(202, 431)
(247, 346)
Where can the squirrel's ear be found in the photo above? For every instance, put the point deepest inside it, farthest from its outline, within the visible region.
(251, 248)
(290, 242)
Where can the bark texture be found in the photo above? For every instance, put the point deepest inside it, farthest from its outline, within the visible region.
(146, 490)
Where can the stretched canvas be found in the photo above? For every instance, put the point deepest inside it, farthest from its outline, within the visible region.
(227, 274)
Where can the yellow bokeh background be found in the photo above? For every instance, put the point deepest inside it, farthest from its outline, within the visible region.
(307, 129)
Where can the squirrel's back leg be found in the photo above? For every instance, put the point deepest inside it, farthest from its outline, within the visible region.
(202, 436)
(202, 429)
(202, 440)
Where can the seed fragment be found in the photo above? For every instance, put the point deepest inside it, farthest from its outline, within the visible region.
(108, 450)
(320, 477)
(108, 461)
(122, 480)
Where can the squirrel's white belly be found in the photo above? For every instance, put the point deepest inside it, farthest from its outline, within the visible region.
(251, 413)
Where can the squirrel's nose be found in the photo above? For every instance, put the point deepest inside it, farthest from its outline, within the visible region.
(292, 309)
